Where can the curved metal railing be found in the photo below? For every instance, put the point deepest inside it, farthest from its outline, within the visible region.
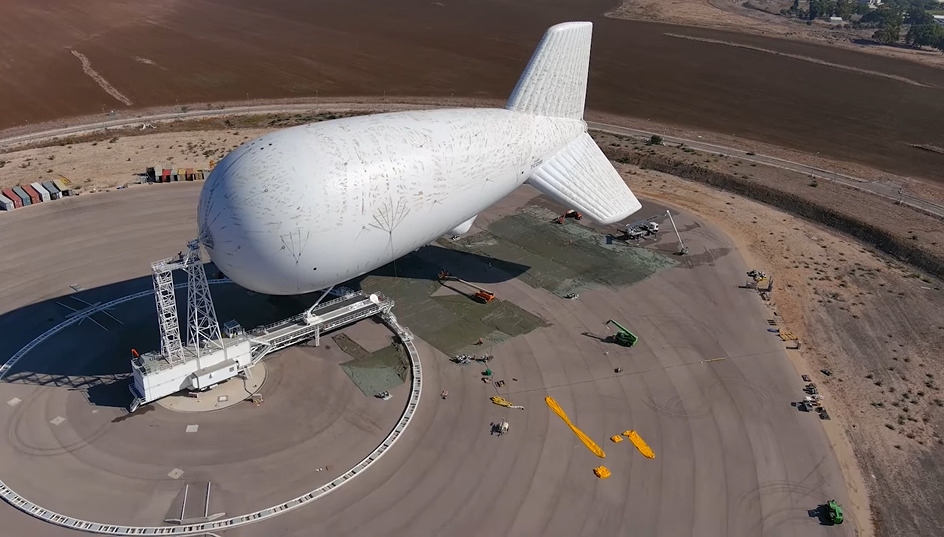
(35, 510)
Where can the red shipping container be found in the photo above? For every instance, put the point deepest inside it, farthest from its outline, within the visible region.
(34, 196)
(17, 202)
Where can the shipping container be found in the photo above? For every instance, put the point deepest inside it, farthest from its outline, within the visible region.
(24, 197)
(64, 186)
(181, 174)
(13, 196)
(53, 189)
(43, 193)
(31, 192)
(190, 175)
(6, 204)
(165, 175)
(150, 174)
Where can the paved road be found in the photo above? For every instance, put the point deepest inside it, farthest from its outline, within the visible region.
(732, 456)
(885, 190)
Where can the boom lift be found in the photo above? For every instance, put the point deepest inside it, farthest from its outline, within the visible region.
(481, 295)
(644, 228)
(623, 337)
(569, 214)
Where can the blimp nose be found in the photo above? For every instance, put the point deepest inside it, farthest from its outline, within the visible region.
(233, 226)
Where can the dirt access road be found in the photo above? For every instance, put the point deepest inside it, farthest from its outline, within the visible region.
(21, 174)
(798, 95)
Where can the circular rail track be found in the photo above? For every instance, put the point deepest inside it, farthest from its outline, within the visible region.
(38, 511)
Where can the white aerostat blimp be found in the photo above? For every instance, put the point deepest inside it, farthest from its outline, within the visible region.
(309, 207)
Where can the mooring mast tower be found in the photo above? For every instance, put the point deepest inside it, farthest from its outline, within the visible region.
(203, 329)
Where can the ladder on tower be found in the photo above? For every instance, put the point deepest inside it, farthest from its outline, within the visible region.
(172, 348)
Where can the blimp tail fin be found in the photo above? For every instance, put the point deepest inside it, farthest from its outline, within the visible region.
(580, 177)
(554, 83)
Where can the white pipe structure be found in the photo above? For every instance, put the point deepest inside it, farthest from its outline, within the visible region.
(682, 249)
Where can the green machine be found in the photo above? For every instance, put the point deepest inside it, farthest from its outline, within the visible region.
(623, 336)
(834, 511)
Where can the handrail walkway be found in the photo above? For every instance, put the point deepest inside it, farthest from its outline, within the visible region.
(416, 389)
(326, 317)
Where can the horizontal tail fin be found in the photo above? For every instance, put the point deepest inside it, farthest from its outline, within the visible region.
(554, 83)
(580, 176)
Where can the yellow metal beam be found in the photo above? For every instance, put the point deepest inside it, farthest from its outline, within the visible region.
(591, 445)
(640, 444)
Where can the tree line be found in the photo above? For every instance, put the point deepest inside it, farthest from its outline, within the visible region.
(888, 19)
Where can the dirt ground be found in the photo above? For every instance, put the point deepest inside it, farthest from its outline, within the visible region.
(764, 19)
(93, 166)
(875, 323)
(911, 228)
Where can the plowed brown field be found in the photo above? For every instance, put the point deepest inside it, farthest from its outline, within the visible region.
(842, 104)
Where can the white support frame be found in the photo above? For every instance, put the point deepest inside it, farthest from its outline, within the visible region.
(203, 329)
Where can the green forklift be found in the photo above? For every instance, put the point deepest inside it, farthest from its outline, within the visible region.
(623, 336)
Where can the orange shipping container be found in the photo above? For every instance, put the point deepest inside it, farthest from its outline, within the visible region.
(31, 192)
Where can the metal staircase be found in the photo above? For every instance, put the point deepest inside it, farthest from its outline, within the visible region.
(172, 348)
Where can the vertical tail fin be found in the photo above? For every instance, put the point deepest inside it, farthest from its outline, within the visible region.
(554, 83)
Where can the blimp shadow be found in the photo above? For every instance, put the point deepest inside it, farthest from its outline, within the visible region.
(92, 357)
(426, 263)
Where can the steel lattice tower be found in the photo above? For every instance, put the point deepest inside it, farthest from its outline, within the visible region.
(203, 330)
(166, 300)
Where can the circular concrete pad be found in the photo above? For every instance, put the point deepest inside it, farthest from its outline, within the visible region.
(132, 468)
(732, 457)
(224, 395)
